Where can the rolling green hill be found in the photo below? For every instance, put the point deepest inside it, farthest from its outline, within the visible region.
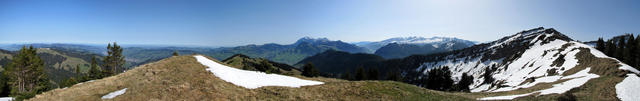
(59, 64)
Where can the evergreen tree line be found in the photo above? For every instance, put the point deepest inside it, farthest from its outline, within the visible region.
(24, 77)
(440, 79)
(113, 64)
(362, 74)
(624, 48)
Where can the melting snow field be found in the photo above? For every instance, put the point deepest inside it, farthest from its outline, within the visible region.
(6, 99)
(251, 79)
(577, 80)
(509, 97)
(628, 89)
(114, 94)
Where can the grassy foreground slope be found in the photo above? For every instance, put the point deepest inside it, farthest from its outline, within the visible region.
(183, 78)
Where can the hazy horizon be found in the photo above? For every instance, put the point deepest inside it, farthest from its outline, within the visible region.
(235, 23)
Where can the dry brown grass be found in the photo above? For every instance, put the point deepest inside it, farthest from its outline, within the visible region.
(183, 78)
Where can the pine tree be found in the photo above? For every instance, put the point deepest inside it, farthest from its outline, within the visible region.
(488, 78)
(619, 53)
(345, 76)
(629, 51)
(465, 81)
(610, 48)
(637, 53)
(394, 76)
(175, 53)
(309, 70)
(78, 70)
(373, 74)
(94, 72)
(360, 74)
(114, 61)
(26, 74)
(600, 44)
(439, 79)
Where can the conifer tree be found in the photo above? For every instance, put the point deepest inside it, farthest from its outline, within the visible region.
(465, 81)
(309, 70)
(175, 53)
(94, 72)
(611, 48)
(629, 51)
(360, 74)
(600, 44)
(346, 76)
(78, 70)
(394, 76)
(619, 53)
(636, 53)
(26, 74)
(373, 74)
(114, 61)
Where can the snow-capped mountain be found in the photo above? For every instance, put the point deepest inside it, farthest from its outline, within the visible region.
(434, 41)
(536, 62)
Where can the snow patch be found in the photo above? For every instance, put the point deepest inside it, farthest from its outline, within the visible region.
(508, 97)
(628, 89)
(114, 94)
(251, 79)
(577, 80)
(6, 99)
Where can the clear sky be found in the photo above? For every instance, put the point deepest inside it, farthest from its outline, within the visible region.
(239, 22)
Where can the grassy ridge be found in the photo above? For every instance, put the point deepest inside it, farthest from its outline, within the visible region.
(183, 78)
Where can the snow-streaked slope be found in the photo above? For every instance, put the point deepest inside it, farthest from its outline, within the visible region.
(534, 53)
(577, 80)
(114, 94)
(251, 79)
(629, 88)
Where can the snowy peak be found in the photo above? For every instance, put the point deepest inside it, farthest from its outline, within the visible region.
(312, 40)
(530, 36)
(436, 42)
(422, 40)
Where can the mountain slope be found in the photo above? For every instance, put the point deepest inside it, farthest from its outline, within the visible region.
(336, 62)
(183, 78)
(528, 63)
(259, 64)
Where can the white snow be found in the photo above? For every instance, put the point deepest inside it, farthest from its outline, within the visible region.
(6, 99)
(508, 97)
(252, 79)
(628, 89)
(114, 94)
(577, 80)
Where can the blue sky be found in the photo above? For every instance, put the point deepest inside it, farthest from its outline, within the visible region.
(239, 22)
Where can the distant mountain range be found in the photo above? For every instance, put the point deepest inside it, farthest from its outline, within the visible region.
(400, 47)
(288, 54)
